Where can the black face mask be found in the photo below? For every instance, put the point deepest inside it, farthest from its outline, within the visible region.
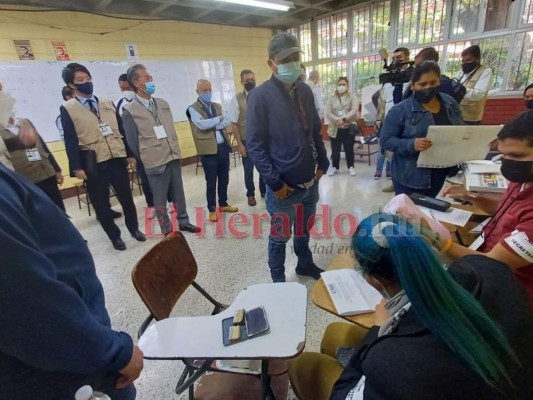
(517, 171)
(426, 95)
(469, 67)
(85, 88)
(529, 104)
(249, 86)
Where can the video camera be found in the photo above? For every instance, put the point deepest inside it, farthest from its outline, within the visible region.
(396, 73)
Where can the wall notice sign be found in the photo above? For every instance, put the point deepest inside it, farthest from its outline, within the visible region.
(60, 50)
(24, 50)
(131, 51)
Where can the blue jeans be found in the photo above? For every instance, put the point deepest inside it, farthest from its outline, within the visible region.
(248, 167)
(216, 169)
(287, 215)
(380, 161)
(438, 177)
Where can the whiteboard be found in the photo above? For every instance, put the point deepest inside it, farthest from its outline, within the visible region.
(36, 85)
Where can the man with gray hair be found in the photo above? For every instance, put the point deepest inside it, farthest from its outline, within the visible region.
(208, 127)
(152, 137)
(314, 76)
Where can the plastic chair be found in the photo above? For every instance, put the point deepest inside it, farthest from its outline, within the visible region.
(161, 277)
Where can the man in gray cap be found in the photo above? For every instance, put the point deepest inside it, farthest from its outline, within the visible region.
(285, 145)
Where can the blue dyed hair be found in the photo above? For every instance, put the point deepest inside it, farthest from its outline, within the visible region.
(389, 248)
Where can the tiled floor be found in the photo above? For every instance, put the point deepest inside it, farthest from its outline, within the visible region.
(226, 264)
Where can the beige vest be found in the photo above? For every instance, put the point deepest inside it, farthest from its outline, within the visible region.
(473, 110)
(205, 141)
(88, 131)
(5, 157)
(35, 171)
(154, 151)
(243, 104)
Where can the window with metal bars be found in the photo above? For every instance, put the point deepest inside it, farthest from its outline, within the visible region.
(306, 42)
(465, 17)
(521, 73)
(332, 32)
(329, 73)
(421, 21)
(366, 70)
(371, 25)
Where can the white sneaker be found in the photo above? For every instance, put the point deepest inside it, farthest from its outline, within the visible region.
(352, 171)
(332, 171)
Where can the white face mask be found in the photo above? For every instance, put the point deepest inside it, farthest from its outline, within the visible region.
(128, 94)
(341, 89)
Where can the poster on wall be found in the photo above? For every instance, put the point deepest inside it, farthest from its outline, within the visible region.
(24, 50)
(131, 51)
(60, 50)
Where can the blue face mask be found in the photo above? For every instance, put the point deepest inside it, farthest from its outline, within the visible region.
(289, 73)
(150, 88)
(205, 97)
(85, 88)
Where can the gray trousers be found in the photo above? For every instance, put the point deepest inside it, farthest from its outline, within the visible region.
(168, 181)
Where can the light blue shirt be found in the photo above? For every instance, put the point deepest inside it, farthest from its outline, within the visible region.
(210, 123)
(85, 102)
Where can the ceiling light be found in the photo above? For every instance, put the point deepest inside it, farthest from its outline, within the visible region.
(279, 5)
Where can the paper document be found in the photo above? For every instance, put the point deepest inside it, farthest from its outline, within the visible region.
(485, 182)
(483, 167)
(454, 216)
(349, 291)
(452, 145)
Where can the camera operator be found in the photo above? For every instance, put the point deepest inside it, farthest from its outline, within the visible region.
(446, 84)
(390, 94)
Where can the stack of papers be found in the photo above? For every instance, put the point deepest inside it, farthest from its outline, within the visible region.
(454, 216)
(484, 177)
(350, 293)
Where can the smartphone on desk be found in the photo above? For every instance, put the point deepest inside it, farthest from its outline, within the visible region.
(256, 322)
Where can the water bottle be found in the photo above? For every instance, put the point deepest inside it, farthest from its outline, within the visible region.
(87, 393)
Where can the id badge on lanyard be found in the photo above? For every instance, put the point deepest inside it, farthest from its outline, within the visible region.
(160, 132)
(33, 155)
(105, 129)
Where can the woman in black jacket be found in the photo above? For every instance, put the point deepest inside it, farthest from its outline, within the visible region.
(461, 333)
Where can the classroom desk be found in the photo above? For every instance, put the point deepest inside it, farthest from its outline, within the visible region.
(321, 298)
(285, 304)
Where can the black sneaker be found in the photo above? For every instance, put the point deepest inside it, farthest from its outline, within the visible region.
(313, 272)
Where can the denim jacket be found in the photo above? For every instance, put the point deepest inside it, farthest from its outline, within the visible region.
(404, 123)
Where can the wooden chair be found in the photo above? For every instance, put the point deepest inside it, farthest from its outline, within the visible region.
(161, 277)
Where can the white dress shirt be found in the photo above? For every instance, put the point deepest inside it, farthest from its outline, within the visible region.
(482, 87)
(317, 94)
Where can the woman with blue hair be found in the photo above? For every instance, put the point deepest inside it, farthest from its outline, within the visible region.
(458, 333)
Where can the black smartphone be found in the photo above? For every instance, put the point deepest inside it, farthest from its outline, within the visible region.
(256, 321)
(429, 202)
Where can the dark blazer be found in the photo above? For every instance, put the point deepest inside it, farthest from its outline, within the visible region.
(278, 137)
(412, 364)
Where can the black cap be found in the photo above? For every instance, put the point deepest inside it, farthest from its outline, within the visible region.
(282, 45)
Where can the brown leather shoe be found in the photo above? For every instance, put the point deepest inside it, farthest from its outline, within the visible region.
(251, 201)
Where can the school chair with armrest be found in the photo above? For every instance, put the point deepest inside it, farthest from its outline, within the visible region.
(161, 277)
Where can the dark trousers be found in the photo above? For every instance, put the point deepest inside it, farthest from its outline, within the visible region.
(216, 170)
(148, 195)
(473, 122)
(49, 186)
(248, 167)
(343, 139)
(438, 177)
(112, 172)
